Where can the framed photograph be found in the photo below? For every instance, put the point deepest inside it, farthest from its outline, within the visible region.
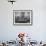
(22, 17)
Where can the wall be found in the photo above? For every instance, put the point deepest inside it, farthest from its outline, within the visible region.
(37, 31)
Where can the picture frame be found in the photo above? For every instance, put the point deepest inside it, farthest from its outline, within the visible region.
(22, 17)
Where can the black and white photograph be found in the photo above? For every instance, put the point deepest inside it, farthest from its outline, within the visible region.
(22, 17)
